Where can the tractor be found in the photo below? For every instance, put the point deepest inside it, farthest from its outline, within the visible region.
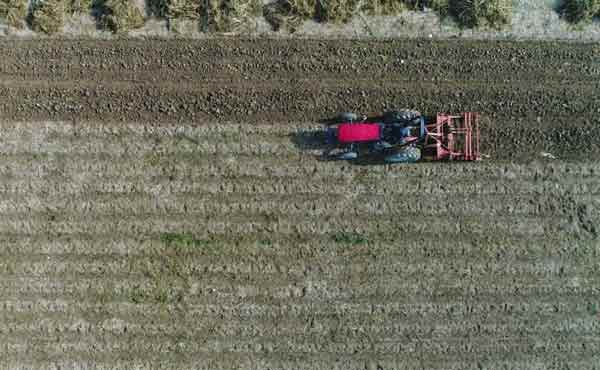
(404, 137)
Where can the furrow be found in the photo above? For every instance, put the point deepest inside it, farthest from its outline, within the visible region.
(205, 225)
(278, 248)
(330, 205)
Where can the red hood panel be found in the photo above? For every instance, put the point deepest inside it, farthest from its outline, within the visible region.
(357, 132)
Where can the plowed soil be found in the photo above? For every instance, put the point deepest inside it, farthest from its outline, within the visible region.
(163, 206)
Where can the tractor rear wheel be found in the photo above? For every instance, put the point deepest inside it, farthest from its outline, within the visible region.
(409, 154)
(401, 116)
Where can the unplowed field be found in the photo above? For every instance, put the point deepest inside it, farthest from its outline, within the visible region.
(163, 206)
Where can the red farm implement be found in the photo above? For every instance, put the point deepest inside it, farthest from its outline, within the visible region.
(453, 137)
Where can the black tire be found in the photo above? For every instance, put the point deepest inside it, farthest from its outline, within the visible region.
(347, 117)
(401, 116)
(348, 156)
(409, 154)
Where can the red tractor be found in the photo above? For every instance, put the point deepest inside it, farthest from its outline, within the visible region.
(405, 136)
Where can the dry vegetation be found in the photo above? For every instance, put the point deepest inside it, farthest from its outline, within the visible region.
(174, 9)
(121, 15)
(289, 14)
(337, 11)
(213, 15)
(383, 7)
(229, 15)
(476, 13)
(13, 12)
(576, 11)
(79, 6)
(469, 13)
(48, 16)
(233, 15)
(182, 9)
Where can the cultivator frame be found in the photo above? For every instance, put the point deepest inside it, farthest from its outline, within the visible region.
(454, 137)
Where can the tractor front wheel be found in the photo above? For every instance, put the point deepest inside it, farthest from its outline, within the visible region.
(348, 156)
(347, 117)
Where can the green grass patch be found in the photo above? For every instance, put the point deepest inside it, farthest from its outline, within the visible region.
(577, 11)
(154, 159)
(593, 308)
(13, 12)
(120, 16)
(48, 16)
(169, 272)
(183, 241)
(265, 243)
(161, 292)
(137, 295)
(477, 13)
(350, 238)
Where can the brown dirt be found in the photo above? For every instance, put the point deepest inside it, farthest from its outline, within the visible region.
(163, 207)
(535, 96)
